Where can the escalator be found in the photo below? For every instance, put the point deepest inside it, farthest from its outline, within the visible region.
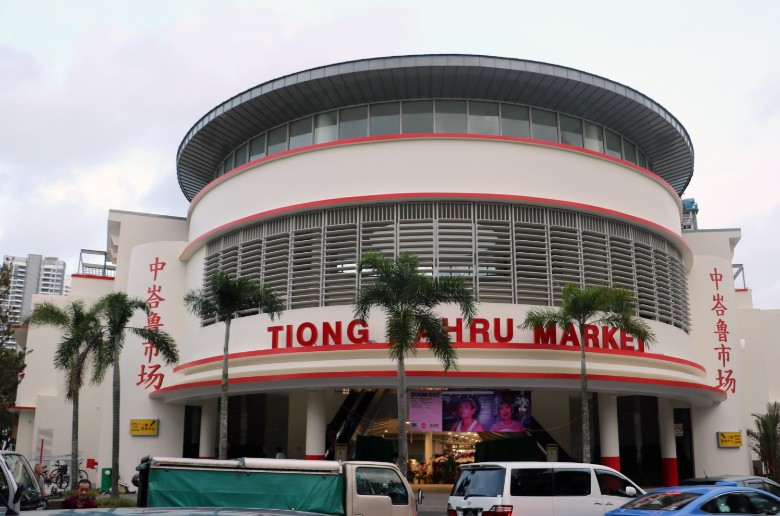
(348, 418)
(543, 438)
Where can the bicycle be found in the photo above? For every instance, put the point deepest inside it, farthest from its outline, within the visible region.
(59, 477)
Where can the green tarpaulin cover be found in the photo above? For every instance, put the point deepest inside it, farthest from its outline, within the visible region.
(313, 492)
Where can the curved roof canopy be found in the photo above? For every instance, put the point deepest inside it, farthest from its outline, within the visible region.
(566, 90)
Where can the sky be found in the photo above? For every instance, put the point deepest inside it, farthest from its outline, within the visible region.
(96, 95)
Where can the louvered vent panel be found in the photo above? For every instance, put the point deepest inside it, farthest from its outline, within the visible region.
(494, 254)
(456, 241)
(340, 258)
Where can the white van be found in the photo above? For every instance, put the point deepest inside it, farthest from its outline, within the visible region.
(538, 489)
(18, 488)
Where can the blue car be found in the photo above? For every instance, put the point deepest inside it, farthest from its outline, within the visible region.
(702, 499)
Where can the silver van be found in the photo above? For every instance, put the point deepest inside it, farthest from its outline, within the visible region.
(538, 489)
(18, 488)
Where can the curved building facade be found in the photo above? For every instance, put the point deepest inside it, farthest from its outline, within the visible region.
(518, 176)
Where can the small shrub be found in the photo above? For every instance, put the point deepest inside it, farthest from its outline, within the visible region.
(107, 501)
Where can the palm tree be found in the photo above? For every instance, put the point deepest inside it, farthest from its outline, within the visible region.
(597, 305)
(81, 336)
(116, 310)
(765, 439)
(408, 297)
(225, 298)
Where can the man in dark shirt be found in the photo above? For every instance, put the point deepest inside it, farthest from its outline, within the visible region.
(82, 499)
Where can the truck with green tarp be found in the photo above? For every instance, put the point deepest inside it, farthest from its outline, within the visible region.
(333, 488)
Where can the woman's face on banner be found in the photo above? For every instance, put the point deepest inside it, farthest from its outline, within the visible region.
(466, 410)
(505, 411)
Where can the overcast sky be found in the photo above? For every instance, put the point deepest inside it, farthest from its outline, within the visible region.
(95, 96)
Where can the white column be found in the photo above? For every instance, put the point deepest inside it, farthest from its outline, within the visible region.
(608, 430)
(668, 442)
(428, 446)
(315, 425)
(208, 428)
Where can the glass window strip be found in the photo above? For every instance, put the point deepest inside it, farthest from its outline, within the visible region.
(417, 116)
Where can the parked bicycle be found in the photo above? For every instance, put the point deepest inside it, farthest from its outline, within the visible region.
(59, 477)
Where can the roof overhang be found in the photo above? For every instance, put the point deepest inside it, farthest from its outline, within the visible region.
(624, 110)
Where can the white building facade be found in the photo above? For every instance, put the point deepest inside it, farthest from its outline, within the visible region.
(519, 176)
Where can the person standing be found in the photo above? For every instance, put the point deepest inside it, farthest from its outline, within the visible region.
(41, 478)
(82, 498)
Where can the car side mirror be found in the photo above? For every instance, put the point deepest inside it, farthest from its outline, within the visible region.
(419, 496)
(631, 491)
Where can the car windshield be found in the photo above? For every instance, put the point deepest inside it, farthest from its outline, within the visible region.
(665, 501)
(21, 471)
(479, 482)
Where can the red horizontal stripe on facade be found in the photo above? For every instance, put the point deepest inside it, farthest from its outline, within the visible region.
(461, 345)
(439, 373)
(92, 276)
(230, 226)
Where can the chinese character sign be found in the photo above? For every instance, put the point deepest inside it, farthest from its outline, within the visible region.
(149, 375)
(720, 329)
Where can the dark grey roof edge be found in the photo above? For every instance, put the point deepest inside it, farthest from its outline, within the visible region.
(436, 60)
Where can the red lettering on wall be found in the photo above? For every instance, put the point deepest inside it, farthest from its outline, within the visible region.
(331, 335)
(570, 337)
(274, 331)
(357, 332)
(303, 329)
(625, 340)
(608, 338)
(458, 328)
(479, 327)
(547, 335)
(510, 325)
(591, 336)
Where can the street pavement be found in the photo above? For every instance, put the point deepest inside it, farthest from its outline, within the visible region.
(434, 499)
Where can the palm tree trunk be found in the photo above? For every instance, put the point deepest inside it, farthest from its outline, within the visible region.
(115, 433)
(74, 441)
(223, 409)
(584, 396)
(403, 451)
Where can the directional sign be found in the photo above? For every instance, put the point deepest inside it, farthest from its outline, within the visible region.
(144, 426)
(729, 439)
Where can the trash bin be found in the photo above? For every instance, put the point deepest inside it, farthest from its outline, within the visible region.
(105, 480)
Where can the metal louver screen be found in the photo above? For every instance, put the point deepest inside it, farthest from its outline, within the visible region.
(510, 253)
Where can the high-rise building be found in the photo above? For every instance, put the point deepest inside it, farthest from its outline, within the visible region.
(34, 274)
(690, 210)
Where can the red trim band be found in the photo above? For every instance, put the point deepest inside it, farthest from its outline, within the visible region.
(611, 462)
(230, 226)
(315, 457)
(92, 276)
(459, 345)
(439, 373)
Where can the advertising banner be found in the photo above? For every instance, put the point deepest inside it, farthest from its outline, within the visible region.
(469, 411)
(425, 411)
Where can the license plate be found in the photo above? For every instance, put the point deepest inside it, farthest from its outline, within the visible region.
(470, 512)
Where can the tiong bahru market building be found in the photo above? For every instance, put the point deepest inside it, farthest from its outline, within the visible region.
(517, 175)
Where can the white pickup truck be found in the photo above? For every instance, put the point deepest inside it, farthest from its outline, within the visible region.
(353, 488)
(18, 488)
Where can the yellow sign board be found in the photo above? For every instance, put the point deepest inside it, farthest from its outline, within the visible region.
(144, 426)
(729, 439)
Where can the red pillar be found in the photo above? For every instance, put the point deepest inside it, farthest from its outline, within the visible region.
(669, 466)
